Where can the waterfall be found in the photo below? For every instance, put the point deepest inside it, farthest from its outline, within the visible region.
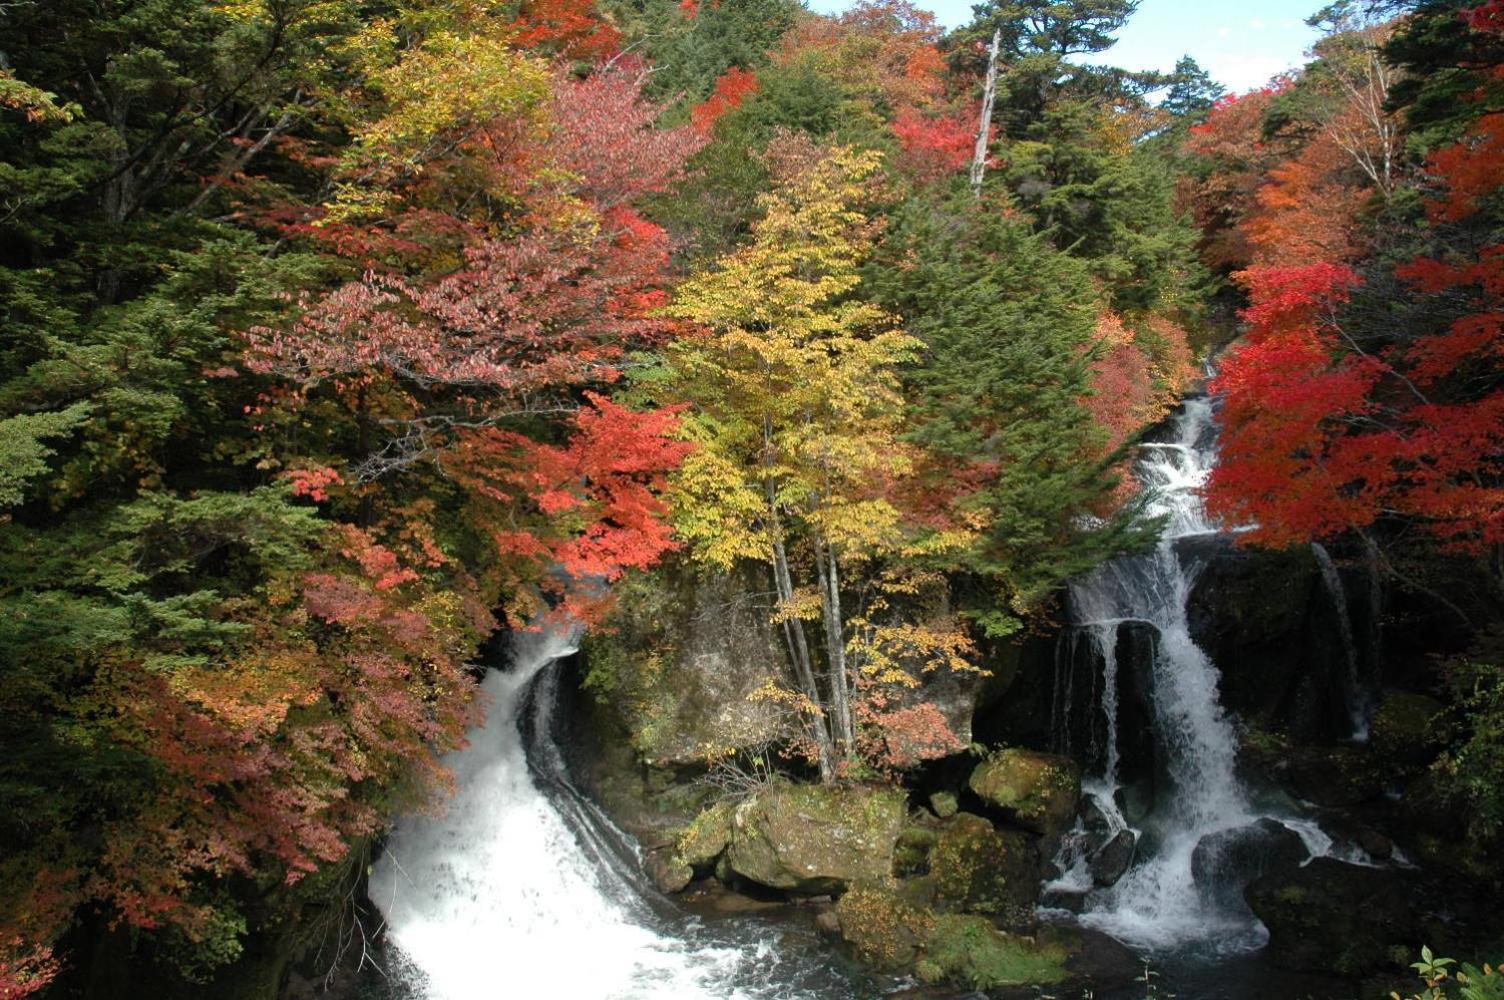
(1157, 903)
(1358, 705)
(521, 887)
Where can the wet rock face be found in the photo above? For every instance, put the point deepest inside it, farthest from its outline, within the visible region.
(815, 839)
(980, 869)
(1268, 621)
(1224, 862)
(1113, 859)
(1037, 791)
(680, 665)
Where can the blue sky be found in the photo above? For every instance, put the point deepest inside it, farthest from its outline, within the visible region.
(1241, 44)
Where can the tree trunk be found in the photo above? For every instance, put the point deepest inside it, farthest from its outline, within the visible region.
(989, 94)
(835, 647)
(798, 647)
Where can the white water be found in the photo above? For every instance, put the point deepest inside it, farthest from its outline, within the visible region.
(502, 896)
(1157, 904)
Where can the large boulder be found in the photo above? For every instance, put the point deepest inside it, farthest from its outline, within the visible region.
(1355, 920)
(1227, 860)
(1038, 791)
(815, 838)
(682, 663)
(1334, 917)
(978, 868)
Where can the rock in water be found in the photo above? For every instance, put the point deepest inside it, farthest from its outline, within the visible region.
(1334, 917)
(814, 838)
(1226, 861)
(1113, 860)
(1038, 791)
(882, 928)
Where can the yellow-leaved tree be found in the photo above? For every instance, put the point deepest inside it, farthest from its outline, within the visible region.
(795, 405)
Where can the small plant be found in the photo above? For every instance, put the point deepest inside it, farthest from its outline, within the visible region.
(1466, 982)
(1151, 988)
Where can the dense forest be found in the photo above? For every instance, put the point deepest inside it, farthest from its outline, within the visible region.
(340, 338)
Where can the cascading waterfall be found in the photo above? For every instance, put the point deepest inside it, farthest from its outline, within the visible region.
(522, 890)
(1158, 904)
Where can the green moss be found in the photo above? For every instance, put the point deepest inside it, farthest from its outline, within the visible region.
(971, 952)
(1405, 728)
(707, 835)
(911, 855)
(1039, 790)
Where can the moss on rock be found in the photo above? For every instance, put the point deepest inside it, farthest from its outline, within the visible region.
(980, 869)
(1038, 791)
(816, 838)
(883, 929)
(944, 805)
(706, 836)
(911, 855)
(1405, 729)
(970, 951)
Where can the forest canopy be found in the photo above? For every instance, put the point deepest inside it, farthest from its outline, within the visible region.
(339, 336)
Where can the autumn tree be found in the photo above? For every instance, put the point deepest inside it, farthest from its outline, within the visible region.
(1366, 396)
(256, 257)
(794, 404)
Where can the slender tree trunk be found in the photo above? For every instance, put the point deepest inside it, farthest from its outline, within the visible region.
(984, 129)
(835, 647)
(798, 647)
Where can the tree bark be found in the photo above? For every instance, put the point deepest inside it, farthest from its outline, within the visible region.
(989, 94)
(835, 648)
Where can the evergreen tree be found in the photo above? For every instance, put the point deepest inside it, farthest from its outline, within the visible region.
(1007, 324)
(1192, 91)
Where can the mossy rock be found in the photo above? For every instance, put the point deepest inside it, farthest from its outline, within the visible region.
(970, 951)
(1038, 791)
(919, 891)
(1405, 728)
(669, 871)
(980, 869)
(943, 804)
(883, 929)
(707, 835)
(816, 838)
(911, 855)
